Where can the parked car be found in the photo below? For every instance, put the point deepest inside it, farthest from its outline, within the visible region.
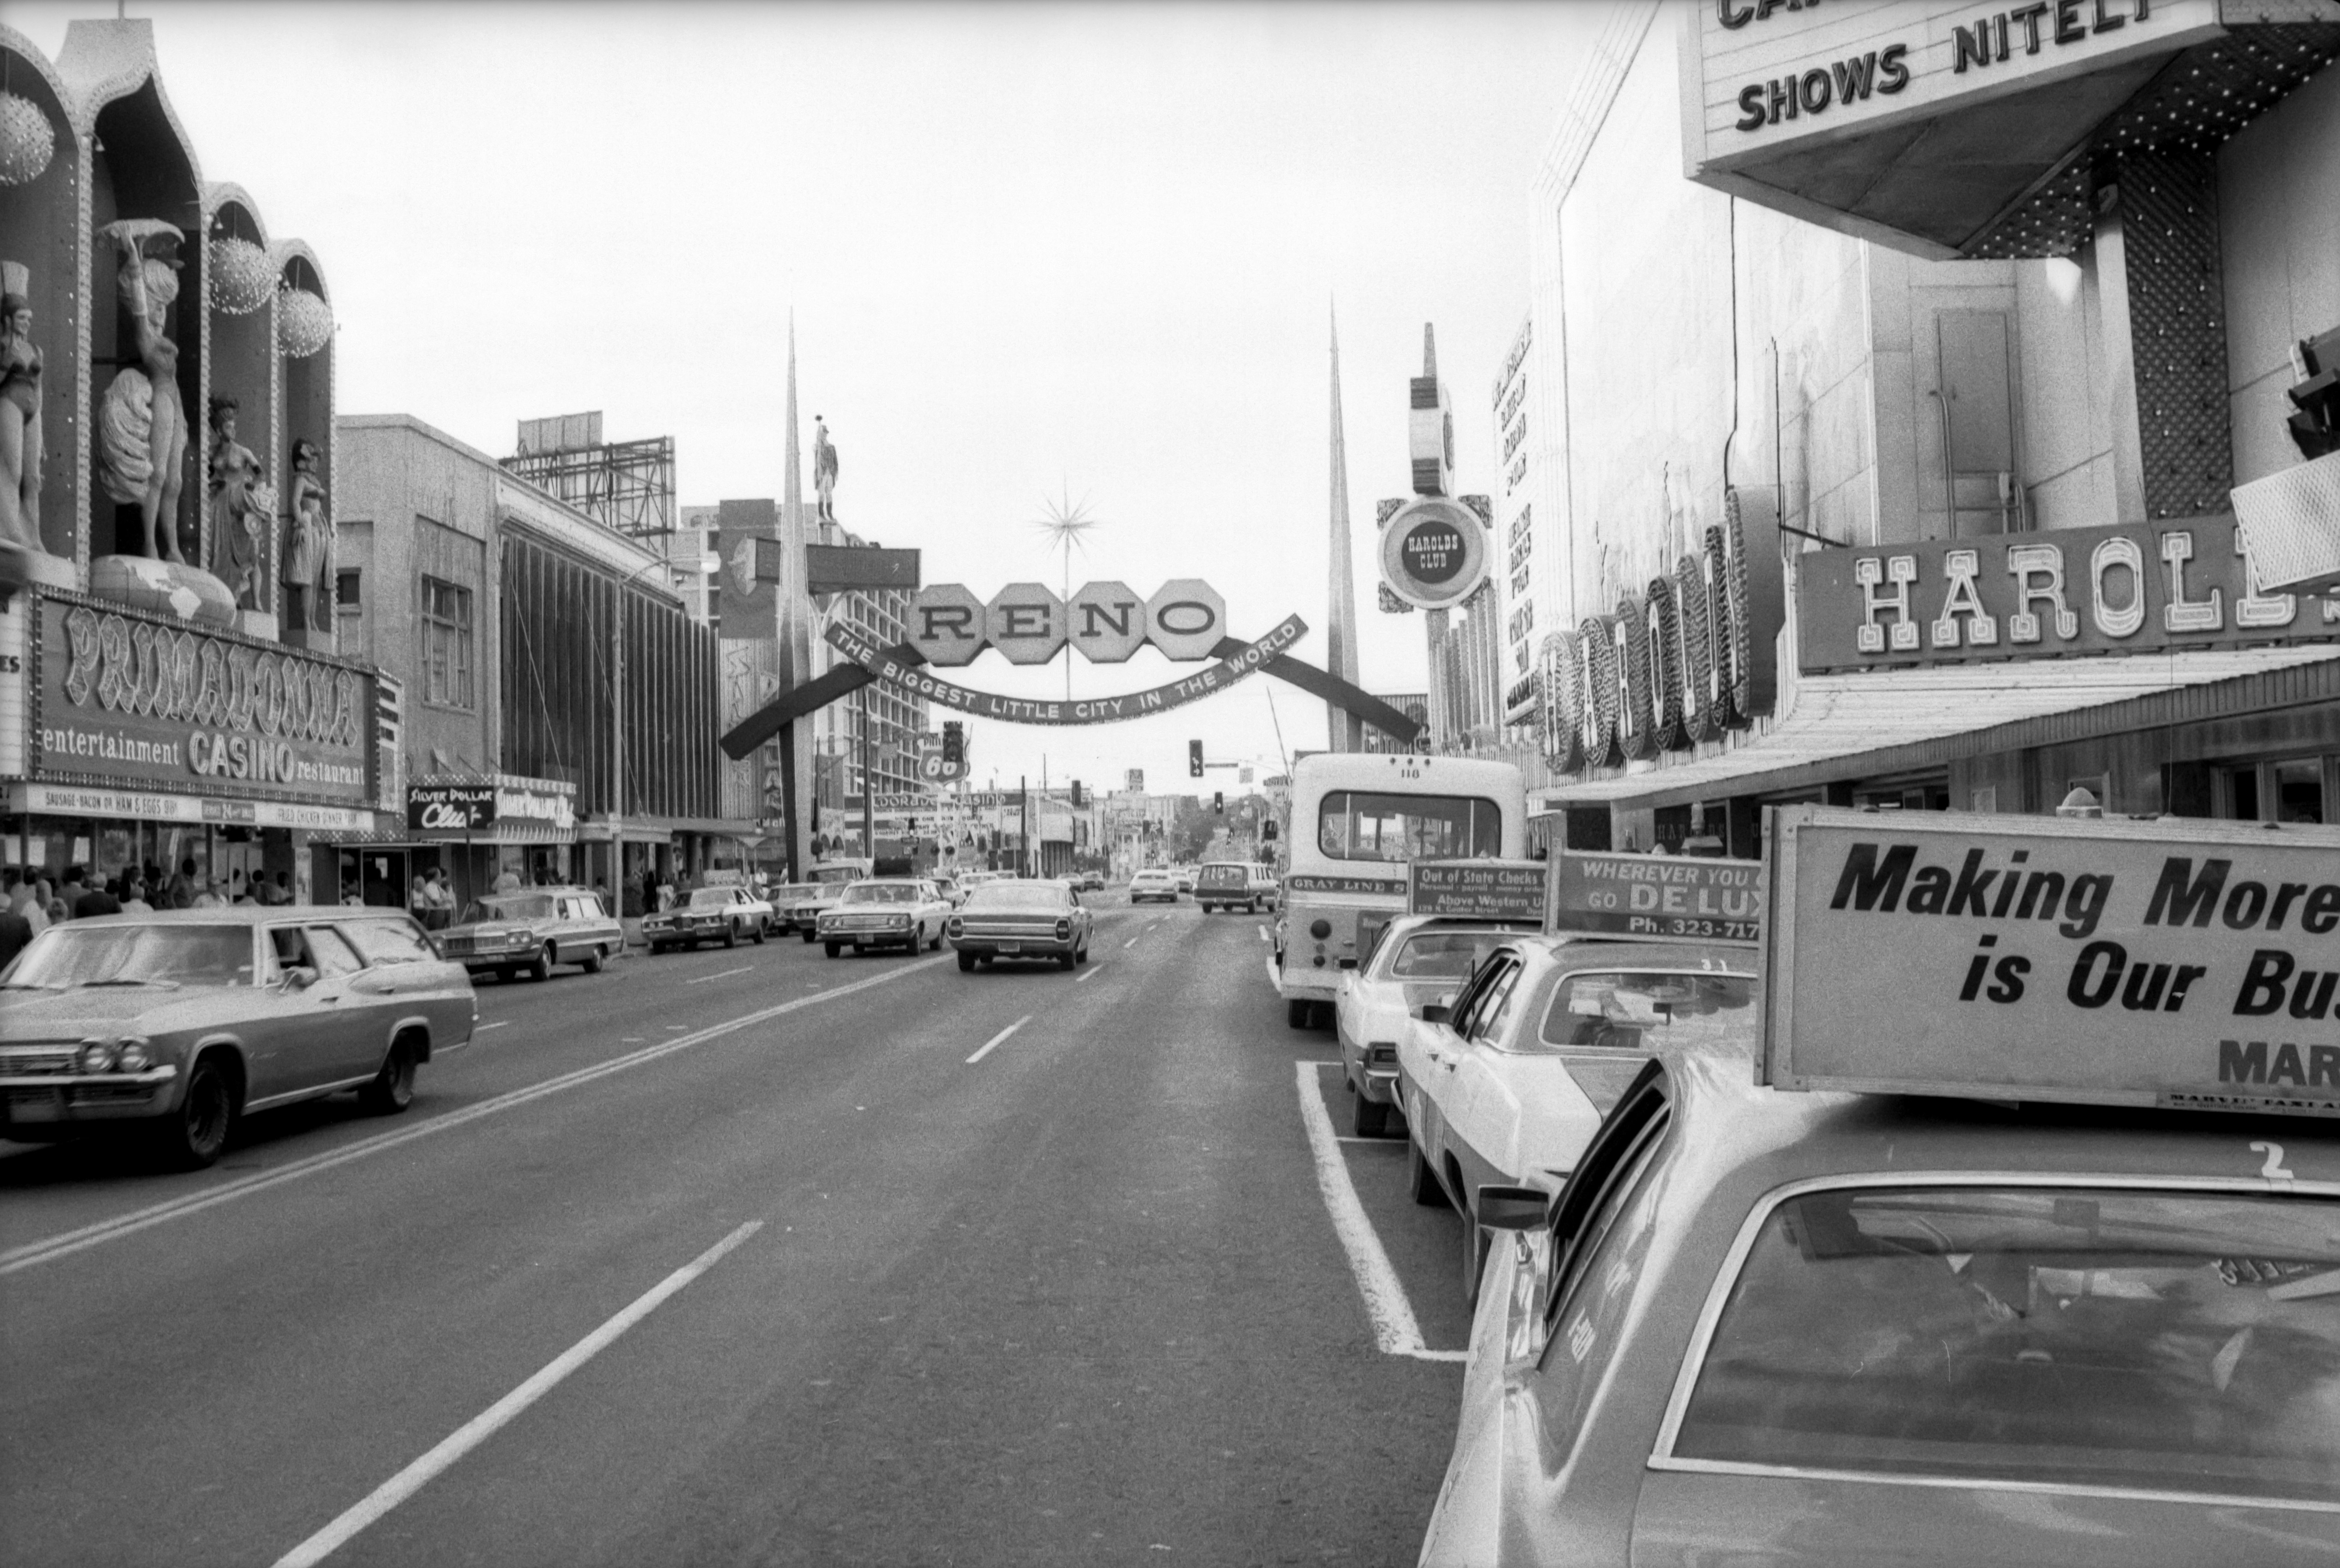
(175, 1024)
(1418, 960)
(1022, 919)
(885, 912)
(1507, 1086)
(1231, 885)
(1154, 882)
(531, 931)
(729, 915)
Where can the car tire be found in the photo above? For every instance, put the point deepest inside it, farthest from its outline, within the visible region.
(759, 937)
(593, 964)
(192, 1137)
(831, 947)
(1372, 1119)
(542, 968)
(1420, 1181)
(1081, 953)
(1298, 1014)
(809, 938)
(392, 1089)
(967, 963)
(1066, 961)
(730, 935)
(1476, 1244)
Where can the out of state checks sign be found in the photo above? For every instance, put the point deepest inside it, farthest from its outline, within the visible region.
(2190, 964)
(889, 666)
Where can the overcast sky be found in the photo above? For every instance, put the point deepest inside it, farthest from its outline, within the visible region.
(1085, 251)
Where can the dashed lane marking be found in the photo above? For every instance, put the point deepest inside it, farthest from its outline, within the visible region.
(1396, 1330)
(1092, 975)
(992, 1044)
(719, 973)
(480, 1029)
(66, 1243)
(485, 1426)
(1263, 935)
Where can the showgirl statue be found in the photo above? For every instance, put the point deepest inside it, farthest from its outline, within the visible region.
(142, 425)
(241, 509)
(308, 546)
(20, 412)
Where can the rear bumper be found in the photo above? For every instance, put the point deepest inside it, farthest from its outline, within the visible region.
(1025, 947)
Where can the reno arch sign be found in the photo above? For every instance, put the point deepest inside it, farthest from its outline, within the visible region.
(1027, 624)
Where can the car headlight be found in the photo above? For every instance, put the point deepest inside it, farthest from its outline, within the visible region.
(96, 1056)
(136, 1057)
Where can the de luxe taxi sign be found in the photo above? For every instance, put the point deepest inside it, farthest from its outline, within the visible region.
(2185, 963)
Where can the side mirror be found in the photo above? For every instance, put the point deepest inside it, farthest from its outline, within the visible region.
(1513, 1208)
(1433, 1012)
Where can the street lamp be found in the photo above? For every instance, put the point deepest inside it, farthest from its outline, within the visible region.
(705, 564)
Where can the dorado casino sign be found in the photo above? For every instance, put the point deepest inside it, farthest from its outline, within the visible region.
(124, 698)
(1686, 659)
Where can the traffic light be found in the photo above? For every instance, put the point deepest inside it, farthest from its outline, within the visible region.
(1080, 802)
(1219, 802)
(954, 742)
(1194, 759)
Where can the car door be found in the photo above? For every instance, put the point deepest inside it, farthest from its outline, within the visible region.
(315, 1024)
(1438, 1050)
(1480, 1107)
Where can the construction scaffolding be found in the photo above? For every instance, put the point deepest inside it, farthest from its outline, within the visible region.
(626, 485)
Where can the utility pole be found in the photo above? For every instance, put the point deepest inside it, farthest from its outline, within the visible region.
(868, 790)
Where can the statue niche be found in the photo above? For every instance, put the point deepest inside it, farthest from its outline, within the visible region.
(23, 558)
(242, 508)
(308, 552)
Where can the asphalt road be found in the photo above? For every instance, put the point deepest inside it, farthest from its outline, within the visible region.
(736, 1257)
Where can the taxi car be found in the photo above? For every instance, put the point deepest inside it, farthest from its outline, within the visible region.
(531, 931)
(1957, 1267)
(729, 915)
(1154, 882)
(1416, 960)
(906, 912)
(172, 1025)
(1506, 1084)
(1021, 920)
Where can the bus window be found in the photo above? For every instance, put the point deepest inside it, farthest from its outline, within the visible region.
(1354, 825)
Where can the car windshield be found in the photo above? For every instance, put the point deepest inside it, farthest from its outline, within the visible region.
(711, 898)
(1640, 1011)
(2179, 1341)
(1223, 876)
(508, 907)
(1353, 824)
(120, 955)
(1444, 955)
(1017, 896)
(882, 893)
(794, 891)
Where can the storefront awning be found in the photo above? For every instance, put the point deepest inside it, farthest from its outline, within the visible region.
(1881, 722)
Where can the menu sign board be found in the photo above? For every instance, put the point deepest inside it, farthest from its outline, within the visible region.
(1656, 898)
(2185, 963)
(1477, 889)
(129, 700)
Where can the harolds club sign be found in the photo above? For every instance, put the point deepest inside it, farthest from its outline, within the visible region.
(2130, 588)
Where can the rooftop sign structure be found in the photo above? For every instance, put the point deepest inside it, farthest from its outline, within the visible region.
(2185, 964)
(1656, 898)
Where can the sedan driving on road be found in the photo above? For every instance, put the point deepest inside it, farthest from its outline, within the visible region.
(1021, 920)
(174, 1024)
(531, 931)
(1508, 1087)
(724, 915)
(905, 912)
(1154, 882)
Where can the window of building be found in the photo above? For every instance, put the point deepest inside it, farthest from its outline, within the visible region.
(346, 591)
(446, 644)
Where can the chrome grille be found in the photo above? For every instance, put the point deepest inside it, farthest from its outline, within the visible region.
(26, 1060)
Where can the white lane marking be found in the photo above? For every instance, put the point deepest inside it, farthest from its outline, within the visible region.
(485, 1426)
(1132, 942)
(73, 1240)
(719, 973)
(1394, 1329)
(1263, 935)
(1092, 975)
(499, 1023)
(992, 1044)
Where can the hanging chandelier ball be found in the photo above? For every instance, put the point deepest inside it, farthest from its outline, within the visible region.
(27, 142)
(305, 323)
(241, 278)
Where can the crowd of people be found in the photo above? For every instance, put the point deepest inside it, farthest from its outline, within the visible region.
(30, 903)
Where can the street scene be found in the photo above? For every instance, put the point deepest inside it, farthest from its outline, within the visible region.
(1467, 785)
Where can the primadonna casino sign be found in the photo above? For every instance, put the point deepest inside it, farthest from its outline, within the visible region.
(2192, 964)
(125, 699)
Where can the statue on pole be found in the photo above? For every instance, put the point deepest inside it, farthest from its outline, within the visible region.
(143, 426)
(824, 472)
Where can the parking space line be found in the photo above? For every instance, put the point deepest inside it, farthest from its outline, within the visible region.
(499, 1023)
(1092, 975)
(992, 1044)
(1262, 934)
(719, 973)
(1396, 1330)
(73, 1240)
(1132, 942)
(485, 1426)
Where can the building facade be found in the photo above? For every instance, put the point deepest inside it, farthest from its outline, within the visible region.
(1893, 489)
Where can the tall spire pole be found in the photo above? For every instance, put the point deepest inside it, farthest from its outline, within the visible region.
(795, 635)
(1344, 730)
